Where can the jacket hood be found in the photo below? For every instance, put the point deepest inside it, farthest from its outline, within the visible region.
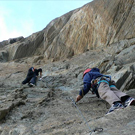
(95, 70)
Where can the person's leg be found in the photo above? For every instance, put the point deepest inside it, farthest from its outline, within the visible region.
(119, 93)
(33, 80)
(107, 94)
(125, 99)
(26, 80)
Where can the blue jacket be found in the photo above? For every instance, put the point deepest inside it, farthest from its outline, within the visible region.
(93, 74)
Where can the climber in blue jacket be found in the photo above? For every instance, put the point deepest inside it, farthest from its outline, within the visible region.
(104, 88)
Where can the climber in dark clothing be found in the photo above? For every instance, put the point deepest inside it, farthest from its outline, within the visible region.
(32, 76)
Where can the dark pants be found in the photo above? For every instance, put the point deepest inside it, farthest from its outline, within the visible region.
(30, 79)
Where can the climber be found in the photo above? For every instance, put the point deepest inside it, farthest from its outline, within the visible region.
(32, 76)
(104, 88)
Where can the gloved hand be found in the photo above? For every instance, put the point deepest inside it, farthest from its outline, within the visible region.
(78, 98)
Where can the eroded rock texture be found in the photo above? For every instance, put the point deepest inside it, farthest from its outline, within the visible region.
(99, 34)
(98, 24)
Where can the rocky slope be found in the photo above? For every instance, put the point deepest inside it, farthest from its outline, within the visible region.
(100, 34)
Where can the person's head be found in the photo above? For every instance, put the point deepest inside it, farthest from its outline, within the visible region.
(86, 71)
(33, 69)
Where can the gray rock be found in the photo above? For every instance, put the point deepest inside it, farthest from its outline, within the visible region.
(3, 56)
(13, 40)
(96, 35)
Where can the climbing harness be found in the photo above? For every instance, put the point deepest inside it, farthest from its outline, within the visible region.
(96, 82)
(91, 131)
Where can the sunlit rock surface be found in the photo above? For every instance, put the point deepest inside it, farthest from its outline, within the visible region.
(99, 34)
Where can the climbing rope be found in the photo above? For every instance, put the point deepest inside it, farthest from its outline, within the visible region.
(74, 103)
(91, 131)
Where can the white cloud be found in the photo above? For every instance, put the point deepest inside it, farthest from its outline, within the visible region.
(32, 16)
(5, 33)
(14, 27)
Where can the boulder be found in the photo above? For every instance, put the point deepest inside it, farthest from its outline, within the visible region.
(3, 56)
(11, 101)
(27, 48)
(13, 40)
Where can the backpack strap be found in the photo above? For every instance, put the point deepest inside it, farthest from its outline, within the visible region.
(105, 78)
(96, 82)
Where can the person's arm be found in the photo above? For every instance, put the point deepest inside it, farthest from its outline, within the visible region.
(83, 92)
(40, 74)
(86, 87)
(78, 98)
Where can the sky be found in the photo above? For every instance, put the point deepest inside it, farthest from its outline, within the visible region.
(24, 17)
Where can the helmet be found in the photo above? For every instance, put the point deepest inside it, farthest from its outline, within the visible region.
(86, 71)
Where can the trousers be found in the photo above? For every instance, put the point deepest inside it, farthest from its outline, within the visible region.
(30, 79)
(110, 94)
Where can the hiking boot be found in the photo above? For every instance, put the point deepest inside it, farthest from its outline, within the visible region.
(129, 101)
(31, 85)
(117, 105)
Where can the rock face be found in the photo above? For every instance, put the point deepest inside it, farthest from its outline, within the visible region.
(100, 34)
(98, 24)
(94, 25)
(10, 41)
